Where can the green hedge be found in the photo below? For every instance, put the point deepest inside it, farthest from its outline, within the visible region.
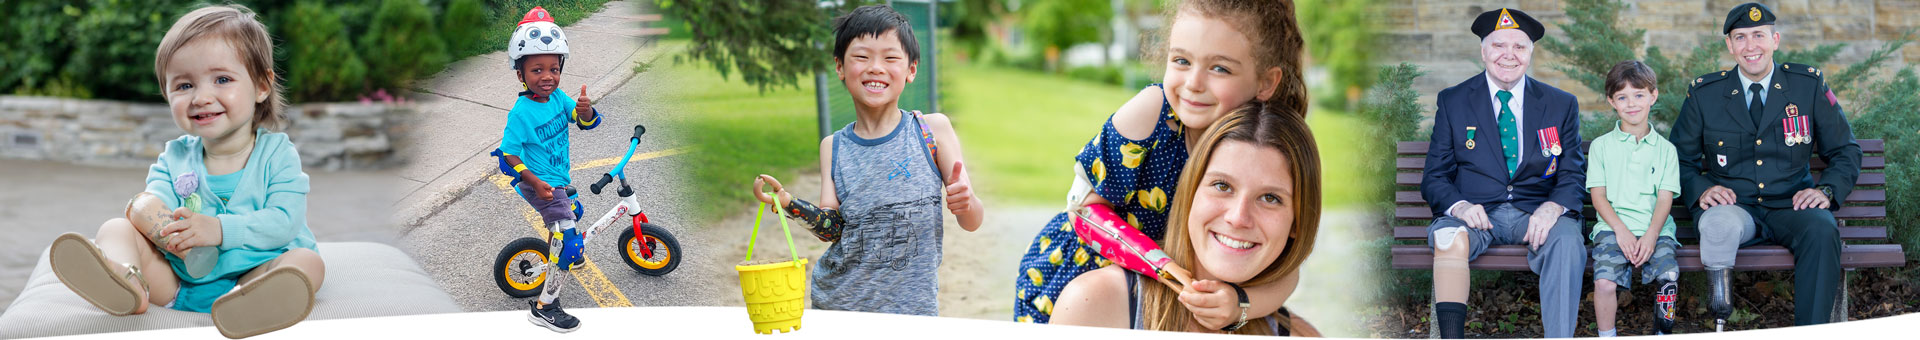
(325, 51)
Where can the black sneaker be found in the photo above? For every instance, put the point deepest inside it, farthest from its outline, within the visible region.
(552, 317)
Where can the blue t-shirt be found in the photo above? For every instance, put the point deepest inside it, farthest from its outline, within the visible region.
(537, 133)
(222, 185)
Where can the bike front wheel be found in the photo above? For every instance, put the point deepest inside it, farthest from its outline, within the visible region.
(653, 252)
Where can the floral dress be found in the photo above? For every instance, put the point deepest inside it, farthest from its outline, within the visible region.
(1138, 176)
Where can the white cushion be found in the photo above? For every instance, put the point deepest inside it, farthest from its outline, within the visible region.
(363, 280)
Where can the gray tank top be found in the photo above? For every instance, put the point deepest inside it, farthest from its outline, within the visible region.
(888, 256)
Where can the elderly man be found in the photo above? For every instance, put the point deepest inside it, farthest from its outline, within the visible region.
(1504, 167)
(1745, 138)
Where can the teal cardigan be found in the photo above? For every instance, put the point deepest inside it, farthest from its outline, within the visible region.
(267, 214)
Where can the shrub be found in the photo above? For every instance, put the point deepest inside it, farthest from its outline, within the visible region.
(461, 23)
(402, 44)
(320, 62)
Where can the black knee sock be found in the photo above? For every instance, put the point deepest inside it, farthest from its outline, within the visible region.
(1450, 319)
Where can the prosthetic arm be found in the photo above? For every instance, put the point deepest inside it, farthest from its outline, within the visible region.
(825, 223)
(1125, 245)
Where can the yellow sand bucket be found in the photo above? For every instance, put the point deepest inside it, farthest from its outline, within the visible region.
(776, 293)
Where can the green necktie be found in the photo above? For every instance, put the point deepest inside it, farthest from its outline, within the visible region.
(1509, 133)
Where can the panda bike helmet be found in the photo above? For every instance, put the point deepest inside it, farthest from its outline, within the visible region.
(537, 34)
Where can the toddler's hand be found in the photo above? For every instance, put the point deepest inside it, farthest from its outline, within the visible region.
(540, 188)
(190, 229)
(581, 104)
(1214, 305)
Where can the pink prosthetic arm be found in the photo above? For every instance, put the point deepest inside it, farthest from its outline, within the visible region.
(1126, 246)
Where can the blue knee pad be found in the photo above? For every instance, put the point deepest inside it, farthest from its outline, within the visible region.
(571, 244)
(577, 209)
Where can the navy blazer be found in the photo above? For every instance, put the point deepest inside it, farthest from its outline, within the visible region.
(1479, 175)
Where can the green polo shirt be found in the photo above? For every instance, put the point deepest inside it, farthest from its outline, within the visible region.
(1634, 170)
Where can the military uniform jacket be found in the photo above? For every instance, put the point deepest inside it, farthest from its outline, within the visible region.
(1478, 174)
(1720, 143)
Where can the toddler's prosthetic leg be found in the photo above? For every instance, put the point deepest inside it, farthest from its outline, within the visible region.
(563, 252)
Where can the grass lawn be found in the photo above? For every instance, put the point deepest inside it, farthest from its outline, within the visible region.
(738, 132)
(1022, 128)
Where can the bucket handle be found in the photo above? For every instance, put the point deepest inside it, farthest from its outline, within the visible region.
(755, 238)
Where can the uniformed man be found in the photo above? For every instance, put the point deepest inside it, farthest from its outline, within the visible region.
(1504, 167)
(1745, 138)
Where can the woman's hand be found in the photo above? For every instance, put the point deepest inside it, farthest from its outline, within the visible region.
(190, 230)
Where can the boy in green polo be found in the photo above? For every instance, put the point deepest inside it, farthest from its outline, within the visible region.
(1633, 175)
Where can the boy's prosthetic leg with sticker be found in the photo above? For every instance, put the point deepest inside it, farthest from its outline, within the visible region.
(824, 223)
(1666, 295)
(1110, 236)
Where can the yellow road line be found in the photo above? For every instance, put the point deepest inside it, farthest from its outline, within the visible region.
(616, 160)
(596, 284)
(587, 274)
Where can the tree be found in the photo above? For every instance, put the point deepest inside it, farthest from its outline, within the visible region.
(970, 20)
(769, 44)
(1598, 41)
(1060, 24)
(1339, 39)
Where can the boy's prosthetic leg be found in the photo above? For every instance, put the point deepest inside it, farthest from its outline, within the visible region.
(563, 252)
(1666, 296)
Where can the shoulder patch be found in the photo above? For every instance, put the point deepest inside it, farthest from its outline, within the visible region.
(1801, 69)
(1708, 78)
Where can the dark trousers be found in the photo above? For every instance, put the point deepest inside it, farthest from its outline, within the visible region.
(1813, 236)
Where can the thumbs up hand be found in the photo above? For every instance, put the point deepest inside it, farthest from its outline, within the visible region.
(959, 191)
(581, 104)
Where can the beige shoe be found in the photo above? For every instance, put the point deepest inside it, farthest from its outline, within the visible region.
(277, 300)
(85, 271)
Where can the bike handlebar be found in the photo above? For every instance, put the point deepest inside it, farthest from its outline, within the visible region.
(620, 170)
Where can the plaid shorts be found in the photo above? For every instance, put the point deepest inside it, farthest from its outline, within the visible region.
(1609, 263)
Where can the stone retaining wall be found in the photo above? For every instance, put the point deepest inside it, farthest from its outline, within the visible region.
(330, 136)
(1433, 33)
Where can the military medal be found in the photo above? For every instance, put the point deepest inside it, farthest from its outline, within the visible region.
(1787, 129)
(1470, 131)
(1550, 148)
(1805, 131)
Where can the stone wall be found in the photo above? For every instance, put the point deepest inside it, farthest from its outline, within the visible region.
(330, 136)
(1434, 33)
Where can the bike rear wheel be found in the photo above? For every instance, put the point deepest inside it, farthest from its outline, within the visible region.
(511, 266)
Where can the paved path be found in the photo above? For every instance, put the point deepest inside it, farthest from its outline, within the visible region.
(458, 211)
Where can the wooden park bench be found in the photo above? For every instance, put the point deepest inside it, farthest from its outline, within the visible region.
(1865, 246)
